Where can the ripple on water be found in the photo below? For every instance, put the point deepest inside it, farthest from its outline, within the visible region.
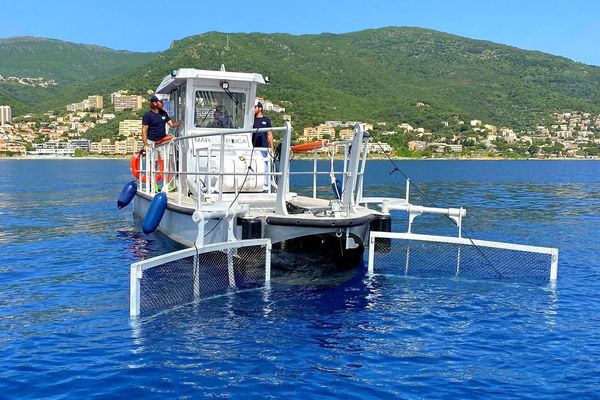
(65, 331)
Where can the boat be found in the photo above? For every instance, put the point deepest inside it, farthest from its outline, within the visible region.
(207, 187)
(223, 188)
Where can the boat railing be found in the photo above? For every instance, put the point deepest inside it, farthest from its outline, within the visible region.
(167, 161)
(331, 150)
(353, 171)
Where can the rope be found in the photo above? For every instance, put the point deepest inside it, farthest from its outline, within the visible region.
(426, 197)
(332, 175)
(239, 191)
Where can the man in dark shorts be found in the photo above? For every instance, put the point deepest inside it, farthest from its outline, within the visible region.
(154, 121)
(262, 139)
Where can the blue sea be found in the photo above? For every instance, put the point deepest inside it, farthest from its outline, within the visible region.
(65, 331)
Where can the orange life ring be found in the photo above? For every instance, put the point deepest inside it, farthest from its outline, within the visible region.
(310, 146)
(134, 166)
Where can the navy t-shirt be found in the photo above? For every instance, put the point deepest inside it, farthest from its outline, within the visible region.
(260, 139)
(156, 124)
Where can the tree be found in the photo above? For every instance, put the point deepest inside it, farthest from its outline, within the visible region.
(533, 149)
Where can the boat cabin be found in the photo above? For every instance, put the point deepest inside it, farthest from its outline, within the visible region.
(209, 103)
(208, 100)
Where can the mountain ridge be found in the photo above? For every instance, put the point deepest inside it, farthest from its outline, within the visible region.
(66, 64)
(376, 74)
(22, 38)
(499, 83)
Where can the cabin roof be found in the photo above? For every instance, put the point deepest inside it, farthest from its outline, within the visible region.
(170, 82)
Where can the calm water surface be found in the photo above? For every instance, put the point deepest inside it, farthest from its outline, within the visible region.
(65, 332)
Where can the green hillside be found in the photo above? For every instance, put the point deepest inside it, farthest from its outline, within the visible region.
(17, 107)
(375, 75)
(381, 74)
(68, 64)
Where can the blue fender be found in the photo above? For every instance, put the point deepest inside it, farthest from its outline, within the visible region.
(127, 194)
(155, 213)
(337, 188)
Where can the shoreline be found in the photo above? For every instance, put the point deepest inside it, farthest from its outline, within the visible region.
(63, 158)
(127, 157)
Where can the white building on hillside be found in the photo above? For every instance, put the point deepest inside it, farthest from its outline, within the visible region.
(378, 147)
(5, 115)
(53, 148)
(130, 127)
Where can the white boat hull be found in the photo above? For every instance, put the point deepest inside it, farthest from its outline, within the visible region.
(177, 224)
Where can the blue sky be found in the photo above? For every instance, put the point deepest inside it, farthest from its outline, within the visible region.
(566, 28)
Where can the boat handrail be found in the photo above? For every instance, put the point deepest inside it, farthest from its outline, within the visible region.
(163, 142)
(175, 152)
(226, 132)
(351, 162)
(338, 143)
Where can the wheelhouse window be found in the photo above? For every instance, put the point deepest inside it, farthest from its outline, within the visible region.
(219, 109)
(176, 104)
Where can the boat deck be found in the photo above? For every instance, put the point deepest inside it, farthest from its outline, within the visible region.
(263, 204)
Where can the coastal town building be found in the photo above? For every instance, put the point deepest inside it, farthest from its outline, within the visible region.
(130, 127)
(29, 81)
(268, 105)
(327, 130)
(128, 146)
(379, 148)
(5, 115)
(53, 148)
(346, 134)
(457, 148)
(570, 134)
(13, 148)
(126, 101)
(508, 134)
(406, 127)
(5, 129)
(123, 147)
(81, 144)
(96, 102)
(318, 133)
(417, 145)
(103, 147)
(352, 124)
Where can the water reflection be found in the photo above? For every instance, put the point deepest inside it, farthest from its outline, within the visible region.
(142, 246)
(65, 330)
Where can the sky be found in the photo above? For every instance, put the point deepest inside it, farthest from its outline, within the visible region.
(565, 28)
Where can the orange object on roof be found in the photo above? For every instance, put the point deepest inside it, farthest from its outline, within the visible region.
(310, 146)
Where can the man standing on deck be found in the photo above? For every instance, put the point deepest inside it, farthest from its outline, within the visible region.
(154, 121)
(262, 139)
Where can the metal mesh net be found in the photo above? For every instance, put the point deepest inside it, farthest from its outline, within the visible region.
(199, 275)
(426, 258)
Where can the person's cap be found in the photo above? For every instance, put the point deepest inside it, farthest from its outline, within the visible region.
(153, 99)
(259, 105)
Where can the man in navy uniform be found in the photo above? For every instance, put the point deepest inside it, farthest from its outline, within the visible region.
(262, 139)
(154, 121)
